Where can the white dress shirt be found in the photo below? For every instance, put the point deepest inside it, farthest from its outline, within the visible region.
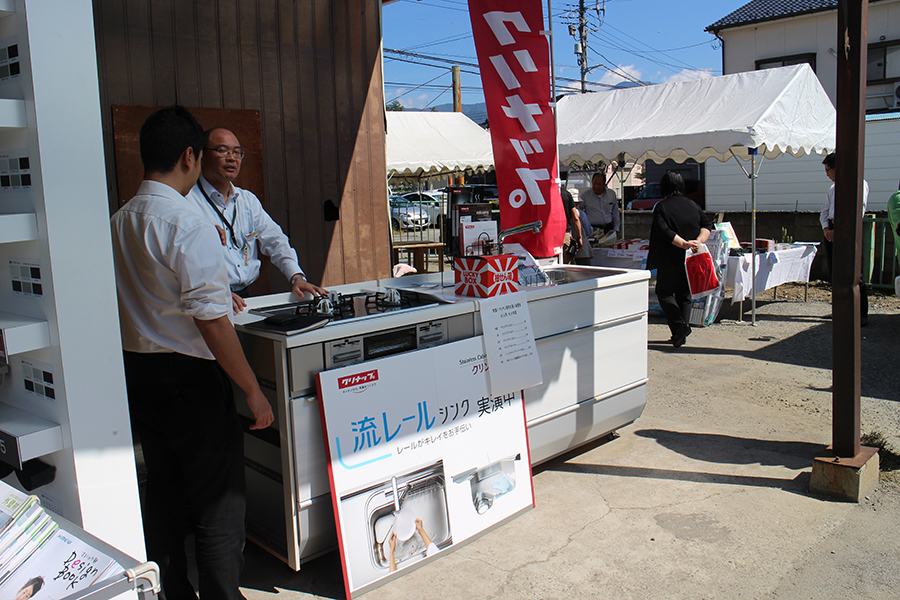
(169, 270)
(250, 222)
(827, 211)
(601, 210)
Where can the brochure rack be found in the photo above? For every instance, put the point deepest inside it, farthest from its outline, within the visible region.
(64, 558)
(64, 424)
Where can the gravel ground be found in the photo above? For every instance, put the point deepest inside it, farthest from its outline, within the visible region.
(788, 363)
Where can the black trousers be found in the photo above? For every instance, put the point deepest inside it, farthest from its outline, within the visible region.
(863, 290)
(182, 410)
(674, 296)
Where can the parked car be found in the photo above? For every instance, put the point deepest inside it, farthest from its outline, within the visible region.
(407, 215)
(650, 195)
(433, 202)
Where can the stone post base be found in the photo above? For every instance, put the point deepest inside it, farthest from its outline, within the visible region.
(846, 478)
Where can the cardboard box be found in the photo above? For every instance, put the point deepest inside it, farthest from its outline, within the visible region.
(477, 238)
(764, 245)
(486, 276)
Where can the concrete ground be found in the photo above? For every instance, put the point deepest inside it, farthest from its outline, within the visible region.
(704, 496)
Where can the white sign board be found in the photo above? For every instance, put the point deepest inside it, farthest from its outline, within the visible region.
(509, 340)
(421, 458)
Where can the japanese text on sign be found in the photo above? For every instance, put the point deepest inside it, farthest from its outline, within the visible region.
(515, 66)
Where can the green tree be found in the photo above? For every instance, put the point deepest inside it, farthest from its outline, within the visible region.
(394, 105)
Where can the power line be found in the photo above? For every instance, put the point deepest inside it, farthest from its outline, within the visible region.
(419, 3)
(644, 53)
(427, 57)
(453, 38)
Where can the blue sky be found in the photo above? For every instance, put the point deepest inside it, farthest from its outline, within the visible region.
(653, 41)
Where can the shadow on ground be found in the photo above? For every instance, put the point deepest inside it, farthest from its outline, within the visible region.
(710, 448)
(321, 577)
(728, 449)
(811, 347)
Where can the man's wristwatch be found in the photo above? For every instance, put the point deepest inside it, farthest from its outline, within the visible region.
(296, 277)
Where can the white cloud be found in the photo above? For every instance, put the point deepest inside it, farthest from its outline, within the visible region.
(417, 102)
(688, 75)
(390, 95)
(614, 78)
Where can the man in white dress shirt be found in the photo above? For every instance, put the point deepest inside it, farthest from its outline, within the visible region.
(826, 219)
(179, 343)
(242, 221)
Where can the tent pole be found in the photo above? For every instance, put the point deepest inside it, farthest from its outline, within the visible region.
(753, 236)
(549, 33)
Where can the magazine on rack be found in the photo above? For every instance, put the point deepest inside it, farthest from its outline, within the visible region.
(37, 557)
(11, 500)
(30, 541)
(63, 566)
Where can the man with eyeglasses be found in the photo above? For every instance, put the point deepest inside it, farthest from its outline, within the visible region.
(242, 221)
(826, 219)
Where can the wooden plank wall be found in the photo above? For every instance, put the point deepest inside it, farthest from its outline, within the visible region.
(313, 70)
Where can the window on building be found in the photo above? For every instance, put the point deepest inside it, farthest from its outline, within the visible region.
(884, 62)
(785, 61)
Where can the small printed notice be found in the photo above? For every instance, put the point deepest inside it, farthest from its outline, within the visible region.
(509, 342)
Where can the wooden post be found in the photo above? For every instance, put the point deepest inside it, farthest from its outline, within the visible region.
(457, 90)
(848, 188)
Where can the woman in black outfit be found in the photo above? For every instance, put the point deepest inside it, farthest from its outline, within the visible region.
(678, 224)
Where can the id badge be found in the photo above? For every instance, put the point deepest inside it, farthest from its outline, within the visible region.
(248, 239)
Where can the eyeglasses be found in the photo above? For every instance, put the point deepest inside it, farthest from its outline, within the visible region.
(225, 151)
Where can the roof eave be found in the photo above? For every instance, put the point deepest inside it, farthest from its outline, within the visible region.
(715, 30)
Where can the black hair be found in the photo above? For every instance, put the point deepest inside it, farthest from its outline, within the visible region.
(829, 161)
(671, 183)
(165, 135)
(36, 583)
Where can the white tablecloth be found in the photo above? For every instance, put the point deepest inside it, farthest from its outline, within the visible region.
(772, 269)
(624, 259)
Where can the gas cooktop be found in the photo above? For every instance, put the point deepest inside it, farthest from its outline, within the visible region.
(343, 307)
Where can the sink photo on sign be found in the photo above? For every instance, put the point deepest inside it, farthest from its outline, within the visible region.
(491, 482)
(411, 508)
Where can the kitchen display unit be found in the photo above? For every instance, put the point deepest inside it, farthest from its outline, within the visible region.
(590, 328)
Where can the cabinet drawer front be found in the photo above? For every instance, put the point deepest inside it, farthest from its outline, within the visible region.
(310, 464)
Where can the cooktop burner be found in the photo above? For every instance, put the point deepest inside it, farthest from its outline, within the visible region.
(341, 307)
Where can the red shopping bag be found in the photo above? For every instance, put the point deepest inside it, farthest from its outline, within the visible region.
(701, 272)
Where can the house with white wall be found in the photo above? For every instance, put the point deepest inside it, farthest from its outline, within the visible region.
(773, 33)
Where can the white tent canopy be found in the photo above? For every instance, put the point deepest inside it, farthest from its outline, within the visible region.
(774, 110)
(425, 144)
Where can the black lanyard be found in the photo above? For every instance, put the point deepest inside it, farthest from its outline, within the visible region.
(230, 226)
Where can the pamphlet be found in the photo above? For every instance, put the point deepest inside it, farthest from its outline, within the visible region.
(37, 556)
(62, 566)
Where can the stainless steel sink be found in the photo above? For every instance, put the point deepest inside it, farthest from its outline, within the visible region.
(490, 482)
(569, 274)
(424, 493)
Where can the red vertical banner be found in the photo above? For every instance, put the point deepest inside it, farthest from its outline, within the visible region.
(514, 60)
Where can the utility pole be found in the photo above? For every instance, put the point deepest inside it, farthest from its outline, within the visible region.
(580, 33)
(581, 46)
(457, 90)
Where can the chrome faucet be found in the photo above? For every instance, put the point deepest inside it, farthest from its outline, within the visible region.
(534, 227)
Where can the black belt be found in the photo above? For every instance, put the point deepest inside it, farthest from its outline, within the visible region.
(162, 358)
